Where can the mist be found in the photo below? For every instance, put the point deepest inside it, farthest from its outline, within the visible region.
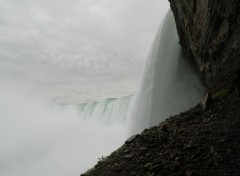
(57, 54)
(39, 137)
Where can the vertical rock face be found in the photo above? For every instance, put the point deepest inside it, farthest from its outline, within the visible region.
(209, 32)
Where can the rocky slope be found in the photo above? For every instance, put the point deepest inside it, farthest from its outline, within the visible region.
(194, 143)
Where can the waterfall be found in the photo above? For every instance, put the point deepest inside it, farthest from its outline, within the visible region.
(168, 85)
(38, 137)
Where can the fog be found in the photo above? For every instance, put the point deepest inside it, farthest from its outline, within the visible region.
(39, 137)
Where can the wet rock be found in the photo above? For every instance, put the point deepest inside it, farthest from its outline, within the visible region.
(147, 165)
(177, 158)
(150, 174)
(131, 139)
(190, 146)
(221, 140)
(129, 156)
(189, 172)
(148, 154)
(207, 101)
(211, 149)
(156, 166)
(163, 127)
(143, 148)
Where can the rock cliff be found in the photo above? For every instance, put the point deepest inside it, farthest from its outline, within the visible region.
(209, 32)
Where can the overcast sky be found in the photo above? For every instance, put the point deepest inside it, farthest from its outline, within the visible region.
(77, 50)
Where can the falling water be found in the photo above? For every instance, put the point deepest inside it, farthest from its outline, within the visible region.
(168, 84)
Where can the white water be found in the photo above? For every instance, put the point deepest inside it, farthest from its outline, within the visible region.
(39, 138)
(168, 84)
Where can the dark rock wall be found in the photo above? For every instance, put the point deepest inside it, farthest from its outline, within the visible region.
(209, 32)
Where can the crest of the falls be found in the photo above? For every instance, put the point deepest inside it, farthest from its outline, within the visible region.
(168, 85)
(108, 110)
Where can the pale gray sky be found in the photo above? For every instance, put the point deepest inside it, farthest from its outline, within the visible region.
(77, 50)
